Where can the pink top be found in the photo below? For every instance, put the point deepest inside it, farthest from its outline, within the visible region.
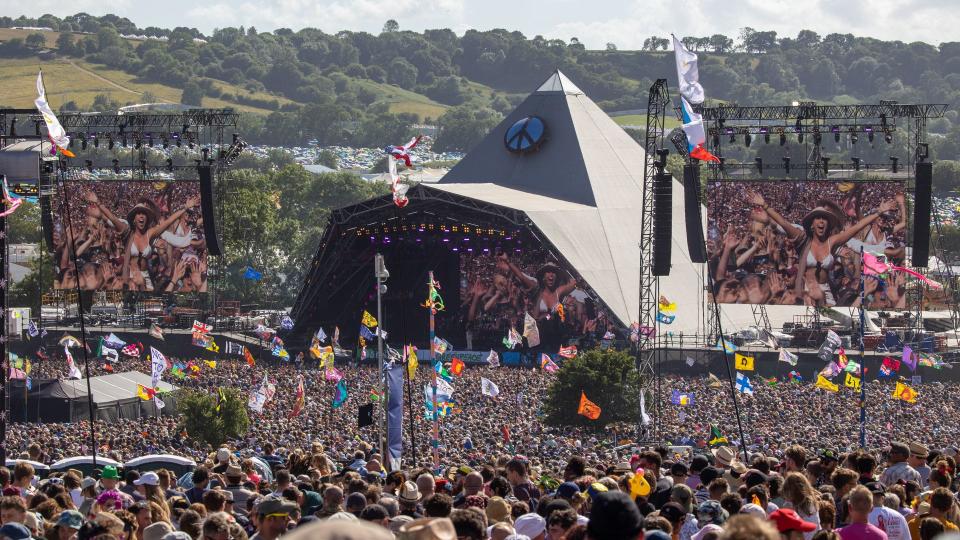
(862, 531)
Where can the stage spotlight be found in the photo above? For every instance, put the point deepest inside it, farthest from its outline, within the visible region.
(89, 165)
(894, 164)
(170, 164)
(887, 136)
(826, 165)
(856, 163)
(116, 166)
(786, 164)
(800, 137)
(759, 162)
(783, 138)
(854, 137)
(817, 138)
(747, 139)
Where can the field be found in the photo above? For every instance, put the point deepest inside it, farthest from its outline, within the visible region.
(640, 120)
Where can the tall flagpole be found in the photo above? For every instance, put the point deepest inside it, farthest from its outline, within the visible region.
(863, 377)
(381, 274)
(435, 439)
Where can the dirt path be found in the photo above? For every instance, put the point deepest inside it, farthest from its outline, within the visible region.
(104, 79)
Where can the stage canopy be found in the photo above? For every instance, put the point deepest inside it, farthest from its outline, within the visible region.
(560, 169)
(114, 397)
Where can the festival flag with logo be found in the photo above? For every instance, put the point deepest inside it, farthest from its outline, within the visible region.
(489, 388)
(439, 345)
(201, 328)
(457, 366)
(110, 354)
(568, 352)
(788, 357)
(212, 346)
(340, 394)
(332, 374)
(905, 393)
(716, 438)
(32, 330)
(852, 367)
(830, 371)
(842, 358)
(743, 384)
(368, 320)
(493, 359)
(852, 382)
(682, 399)
(286, 323)
(530, 330)
(73, 372)
(280, 352)
(201, 340)
(588, 408)
(156, 332)
(55, 132)
(664, 318)
(300, 401)
(248, 357)
(665, 305)
(547, 364)
(831, 343)
(513, 339)
(824, 383)
(909, 358)
(234, 348)
(743, 362)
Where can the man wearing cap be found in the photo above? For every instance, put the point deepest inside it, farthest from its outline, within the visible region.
(274, 517)
(790, 525)
(235, 476)
(68, 524)
(918, 460)
(683, 495)
(886, 519)
(532, 526)
(860, 504)
(898, 470)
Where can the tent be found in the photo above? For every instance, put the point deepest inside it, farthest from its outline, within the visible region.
(114, 397)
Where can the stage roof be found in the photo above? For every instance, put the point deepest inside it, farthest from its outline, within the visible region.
(111, 388)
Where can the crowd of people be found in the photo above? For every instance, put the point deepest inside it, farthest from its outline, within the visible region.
(134, 236)
(791, 245)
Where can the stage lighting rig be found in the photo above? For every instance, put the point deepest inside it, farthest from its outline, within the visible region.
(786, 164)
(894, 164)
(856, 163)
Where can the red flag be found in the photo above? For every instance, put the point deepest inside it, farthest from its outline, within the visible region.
(300, 400)
(248, 356)
(568, 352)
(588, 408)
(506, 433)
(701, 153)
(456, 367)
(108, 368)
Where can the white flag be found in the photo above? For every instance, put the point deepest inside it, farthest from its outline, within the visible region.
(488, 387)
(788, 357)
(644, 417)
(158, 363)
(158, 402)
(691, 361)
(530, 330)
(444, 388)
(688, 75)
(322, 336)
(493, 359)
(110, 354)
(55, 131)
(73, 372)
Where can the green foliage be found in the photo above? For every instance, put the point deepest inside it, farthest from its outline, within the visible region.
(192, 94)
(946, 177)
(609, 379)
(328, 159)
(461, 128)
(204, 423)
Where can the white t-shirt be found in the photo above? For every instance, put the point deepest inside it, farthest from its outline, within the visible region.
(889, 521)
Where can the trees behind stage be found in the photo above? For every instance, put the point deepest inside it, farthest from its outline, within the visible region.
(608, 378)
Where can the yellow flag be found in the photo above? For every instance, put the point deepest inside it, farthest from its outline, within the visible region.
(412, 361)
(368, 320)
(852, 382)
(213, 346)
(315, 350)
(326, 357)
(823, 382)
(212, 364)
(744, 363)
(905, 393)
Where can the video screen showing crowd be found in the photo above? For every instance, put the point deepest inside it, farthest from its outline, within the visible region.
(794, 242)
(499, 288)
(130, 236)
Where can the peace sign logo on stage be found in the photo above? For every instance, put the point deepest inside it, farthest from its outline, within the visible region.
(525, 135)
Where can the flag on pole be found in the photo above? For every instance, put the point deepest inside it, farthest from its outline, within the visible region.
(588, 408)
(300, 401)
(852, 382)
(457, 366)
(743, 362)
(905, 393)
(493, 359)
(55, 132)
(682, 399)
(568, 352)
(664, 318)
(201, 328)
(788, 357)
(286, 323)
(321, 335)
(439, 345)
(32, 329)
(412, 361)
(547, 364)
(688, 75)
(744, 386)
(530, 330)
(725, 346)
(909, 358)
(366, 334)
(145, 393)
(73, 372)
(368, 320)
(340, 394)
(234, 348)
(156, 332)
(488, 388)
(716, 438)
(248, 357)
(889, 367)
(824, 383)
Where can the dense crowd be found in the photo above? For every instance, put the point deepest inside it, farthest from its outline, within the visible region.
(785, 245)
(503, 474)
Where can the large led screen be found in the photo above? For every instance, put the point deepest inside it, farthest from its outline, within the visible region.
(129, 236)
(793, 242)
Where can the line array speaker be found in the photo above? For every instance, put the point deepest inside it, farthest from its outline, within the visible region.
(207, 205)
(691, 208)
(921, 215)
(662, 223)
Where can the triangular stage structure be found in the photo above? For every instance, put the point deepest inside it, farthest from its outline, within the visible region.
(581, 187)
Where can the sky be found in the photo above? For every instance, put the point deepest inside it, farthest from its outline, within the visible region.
(625, 23)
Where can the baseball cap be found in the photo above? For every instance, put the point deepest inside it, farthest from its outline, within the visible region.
(568, 490)
(788, 520)
(275, 505)
(148, 479)
(15, 531)
(876, 488)
(672, 511)
(530, 524)
(70, 518)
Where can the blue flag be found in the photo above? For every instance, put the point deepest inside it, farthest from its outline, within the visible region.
(340, 394)
(286, 323)
(395, 415)
(366, 334)
(252, 274)
(664, 318)
(29, 383)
